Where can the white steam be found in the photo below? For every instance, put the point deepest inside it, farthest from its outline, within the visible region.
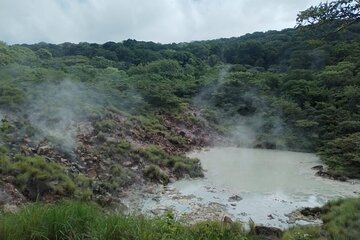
(251, 122)
(56, 111)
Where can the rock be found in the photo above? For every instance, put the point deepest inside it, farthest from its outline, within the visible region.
(172, 180)
(318, 167)
(341, 178)
(44, 150)
(322, 173)
(105, 200)
(111, 139)
(270, 217)
(270, 233)
(328, 175)
(150, 190)
(92, 173)
(312, 212)
(127, 164)
(235, 198)
(135, 168)
(227, 220)
(182, 133)
(10, 208)
(156, 199)
(305, 214)
(10, 195)
(26, 150)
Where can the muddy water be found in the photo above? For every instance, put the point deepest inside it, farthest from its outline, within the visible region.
(264, 185)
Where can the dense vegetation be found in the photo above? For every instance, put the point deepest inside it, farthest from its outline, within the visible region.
(74, 220)
(341, 221)
(88, 120)
(291, 89)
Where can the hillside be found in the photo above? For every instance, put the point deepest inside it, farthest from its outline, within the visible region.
(89, 121)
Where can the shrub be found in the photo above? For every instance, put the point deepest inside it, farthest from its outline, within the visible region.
(178, 163)
(34, 176)
(156, 174)
(11, 96)
(343, 155)
(4, 160)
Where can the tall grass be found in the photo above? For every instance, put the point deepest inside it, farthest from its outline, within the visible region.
(68, 220)
(341, 222)
(343, 219)
(79, 221)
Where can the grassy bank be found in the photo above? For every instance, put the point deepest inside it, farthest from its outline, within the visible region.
(341, 222)
(76, 220)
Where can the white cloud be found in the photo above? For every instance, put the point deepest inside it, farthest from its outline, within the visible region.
(56, 21)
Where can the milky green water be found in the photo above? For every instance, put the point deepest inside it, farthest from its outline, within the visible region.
(271, 185)
(268, 171)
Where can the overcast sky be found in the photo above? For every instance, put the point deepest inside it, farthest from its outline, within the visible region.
(165, 21)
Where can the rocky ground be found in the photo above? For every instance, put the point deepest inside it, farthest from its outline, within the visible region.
(113, 144)
(126, 187)
(141, 200)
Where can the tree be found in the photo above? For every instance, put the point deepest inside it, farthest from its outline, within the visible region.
(342, 154)
(347, 11)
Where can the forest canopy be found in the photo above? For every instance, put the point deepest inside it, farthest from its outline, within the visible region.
(345, 11)
(295, 90)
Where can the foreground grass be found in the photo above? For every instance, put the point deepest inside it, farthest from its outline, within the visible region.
(75, 220)
(341, 222)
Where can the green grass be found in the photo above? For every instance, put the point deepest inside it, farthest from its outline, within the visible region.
(343, 219)
(157, 161)
(155, 173)
(37, 170)
(179, 164)
(76, 220)
(69, 220)
(35, 176)
(304, 233)
(341, 222)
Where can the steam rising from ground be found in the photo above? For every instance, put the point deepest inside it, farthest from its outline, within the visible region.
(250, 131)
(57, 109)
(202, 99)
(255, 122)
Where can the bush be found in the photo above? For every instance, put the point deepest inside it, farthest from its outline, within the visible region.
(36, 171)
(4, 160)
(34, 176)
(156, 174)
(10, 96)
(343, 155)
(179, 164)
